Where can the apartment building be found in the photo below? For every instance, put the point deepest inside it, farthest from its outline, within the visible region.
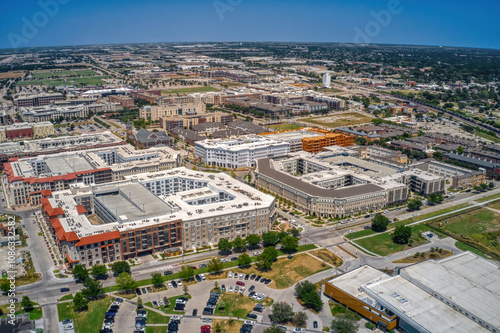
(48, 112)
(160, 212)
(240, 152)
(155, 112)
(26, 130)
(189, 121)
(125, 101)
(38, 100)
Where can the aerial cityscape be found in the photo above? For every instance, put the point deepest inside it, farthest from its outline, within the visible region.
(249, 167)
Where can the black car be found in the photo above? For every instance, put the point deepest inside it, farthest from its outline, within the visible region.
(64, 290)
(138, 291)
(150, 290)
(223, 288)
(168, 273)
(263, 280)
(247, 277)
(174, 284)
(166, 301)
(67, 321)
(257, 279)
(251, 294)
(195, 312)
(208, 312)
(267, 281)
(252, 288)
(114, 310)
(197, 277)
(234, 258)
(252, 276)
(258, 309)
(252, 316)
(179, 307)
(202, 266)
(144, 290)
(315, 324)
(155, 304)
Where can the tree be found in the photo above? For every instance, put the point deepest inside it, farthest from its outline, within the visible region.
(185, 288)
(273, 329)
(124, 281)
(300, 319)
(271, 253)
(156, 279)
(5, 286)
(239, 244)
(225, 246)
(270, 238)
(186, 272)
(215, 265)
(139, 303)
(414, 204)
(402, 234)
(244, 260)
(435, 198)
(98, 271)
(92, 290)
(344, 325)
(460, 150)
(80, 272)
(295, 232)
(307, 294)
(252, 240)
(27, 304)
(290, 243)
(79, 302)
(380, 223)
(282, 312)
(491, 185)
(120, 267)
(263, 263)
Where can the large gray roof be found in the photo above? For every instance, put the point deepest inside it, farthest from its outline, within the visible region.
(264, 168)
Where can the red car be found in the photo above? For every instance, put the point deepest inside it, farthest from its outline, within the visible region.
(205, 329)
(239, 283)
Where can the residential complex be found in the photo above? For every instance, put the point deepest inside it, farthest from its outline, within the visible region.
(155, 112)
(153, 212)
(239, 152)
(28, 178)
(456, 294)
(48, 112)
(125, 101)
(38, 100)
(26, 130)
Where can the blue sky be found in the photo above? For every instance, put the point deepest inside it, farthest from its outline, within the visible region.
(421, 22)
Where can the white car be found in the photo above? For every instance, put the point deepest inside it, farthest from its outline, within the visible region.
(179, 283)
(169, 285)
(230, 289)
(160, 302)
(203, 276)
(256, 253)
(298, 330)
(242, 276)
(242, 290)
(249, 322)
(175, 318)
(235, 275)
(230, 274)
(224, 260)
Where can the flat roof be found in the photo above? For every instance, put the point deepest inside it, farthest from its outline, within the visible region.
(421, 307)
(471, 282)
(67, 164)
(131, 200)
(264, 168)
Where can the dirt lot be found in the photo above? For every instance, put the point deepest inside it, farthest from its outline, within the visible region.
(340, 119)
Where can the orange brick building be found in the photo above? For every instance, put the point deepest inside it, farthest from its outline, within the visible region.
(316, 144)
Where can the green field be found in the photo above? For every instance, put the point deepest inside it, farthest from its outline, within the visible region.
(361, 233)
(479, 228)
(236, 305)
(86, 321)
(339, 119)
(383, 245)
(285, 127)
(189, 90)
(494, 196)
(64, 73)
(86, 72)
(42, 75)
(429, 215)
(487, 136)
(32, 82)
(89, 81)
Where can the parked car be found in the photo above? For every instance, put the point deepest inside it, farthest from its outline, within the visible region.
(195, 312)
(64, 290)
(252, 316)
(223, 288)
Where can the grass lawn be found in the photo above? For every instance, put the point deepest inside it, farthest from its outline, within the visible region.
(487, 136)
(85, 72)
(36, 313)
(464, 247)
(156, 318)
(66, 297)
(189, 90)
(328, 257)
(25, 83)
(285, 127)
(479, 228)
(286, 272)
(494, 196)
(42, 75)
(86, 321)
(229, 325)
(421, 217)
(383, 245)
(236, 305)
(424, 256)
(64, 73)
(361, 233)
(156, 329)
(339, 119)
